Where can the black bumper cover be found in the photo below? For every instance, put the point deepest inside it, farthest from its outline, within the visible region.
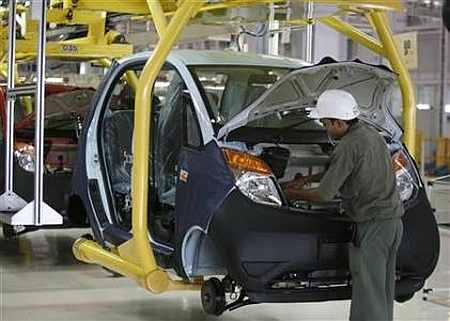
(261, 244)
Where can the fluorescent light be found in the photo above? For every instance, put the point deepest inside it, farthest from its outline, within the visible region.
(423, 106)
(54, 80)
(215, 87)
(447, 108)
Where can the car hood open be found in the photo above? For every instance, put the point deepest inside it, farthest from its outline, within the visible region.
(374, 88)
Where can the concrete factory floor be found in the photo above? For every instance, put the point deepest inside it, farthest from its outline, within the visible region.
(41, 280)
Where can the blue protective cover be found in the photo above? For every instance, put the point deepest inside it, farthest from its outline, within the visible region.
(204, 182)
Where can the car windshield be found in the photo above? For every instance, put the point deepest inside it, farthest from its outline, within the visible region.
(230, 89)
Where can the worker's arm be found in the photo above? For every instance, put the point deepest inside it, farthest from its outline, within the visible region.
(313, 178)
(342, 162)
(311, 195)
(341, 165)
(299, 181)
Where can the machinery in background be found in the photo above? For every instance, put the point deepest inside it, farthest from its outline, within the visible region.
(66, 108)
(439, 193)
(76, 35)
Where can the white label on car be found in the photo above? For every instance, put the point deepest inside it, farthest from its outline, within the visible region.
(184, 175)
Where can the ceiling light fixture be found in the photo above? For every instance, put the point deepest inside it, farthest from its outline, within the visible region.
(423, 106)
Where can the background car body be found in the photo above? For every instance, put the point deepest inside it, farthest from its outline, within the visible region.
(66, 107)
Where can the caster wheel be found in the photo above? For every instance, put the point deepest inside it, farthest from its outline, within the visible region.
(213, 297)
(88, 237)
(404, 298)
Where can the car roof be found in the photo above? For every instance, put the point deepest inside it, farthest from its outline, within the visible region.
(213, 57)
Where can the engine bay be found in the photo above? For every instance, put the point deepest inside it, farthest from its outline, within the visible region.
(288, 161)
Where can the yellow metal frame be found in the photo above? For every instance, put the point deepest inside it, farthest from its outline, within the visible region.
(96, 45)
(135, 258)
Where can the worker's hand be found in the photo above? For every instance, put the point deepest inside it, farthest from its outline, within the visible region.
(299, 182)
(291, 185)
(289, 193)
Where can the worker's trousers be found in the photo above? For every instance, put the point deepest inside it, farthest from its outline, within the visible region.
(372, 265)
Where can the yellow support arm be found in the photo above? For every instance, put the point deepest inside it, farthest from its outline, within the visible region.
(136, 7)
(142, 130)
(97, 44)
(130, 76)
(135, 258)
(158, 16)
(354, 34)
(384, 32)
(365, 4)
(140, 7)
(71, 50)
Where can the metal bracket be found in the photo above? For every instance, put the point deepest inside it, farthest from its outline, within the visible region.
(20, 91)
(11, 202)
(26, 216)
(13, 209)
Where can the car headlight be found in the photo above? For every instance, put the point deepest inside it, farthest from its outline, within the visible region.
(25, 157)
(407, 182)
(259, 188)
(404, 184)
(254, 177)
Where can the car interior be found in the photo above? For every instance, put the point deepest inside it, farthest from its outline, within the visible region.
(168, 128)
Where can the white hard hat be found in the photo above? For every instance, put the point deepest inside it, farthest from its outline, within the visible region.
(335, 104)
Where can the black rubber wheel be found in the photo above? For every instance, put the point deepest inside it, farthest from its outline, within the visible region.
(213, 297)
(404, 298)
(88, 237)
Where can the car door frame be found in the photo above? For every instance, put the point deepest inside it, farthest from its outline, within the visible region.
(91, 184)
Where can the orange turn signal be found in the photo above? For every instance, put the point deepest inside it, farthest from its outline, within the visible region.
(399, 161)
(246, 162)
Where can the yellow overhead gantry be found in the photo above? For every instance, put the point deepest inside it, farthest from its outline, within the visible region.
(135, 258)
(98, 45)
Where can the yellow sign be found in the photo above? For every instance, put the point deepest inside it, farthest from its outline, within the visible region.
(407, 46)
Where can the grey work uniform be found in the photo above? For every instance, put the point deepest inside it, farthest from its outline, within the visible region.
(361, 170)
